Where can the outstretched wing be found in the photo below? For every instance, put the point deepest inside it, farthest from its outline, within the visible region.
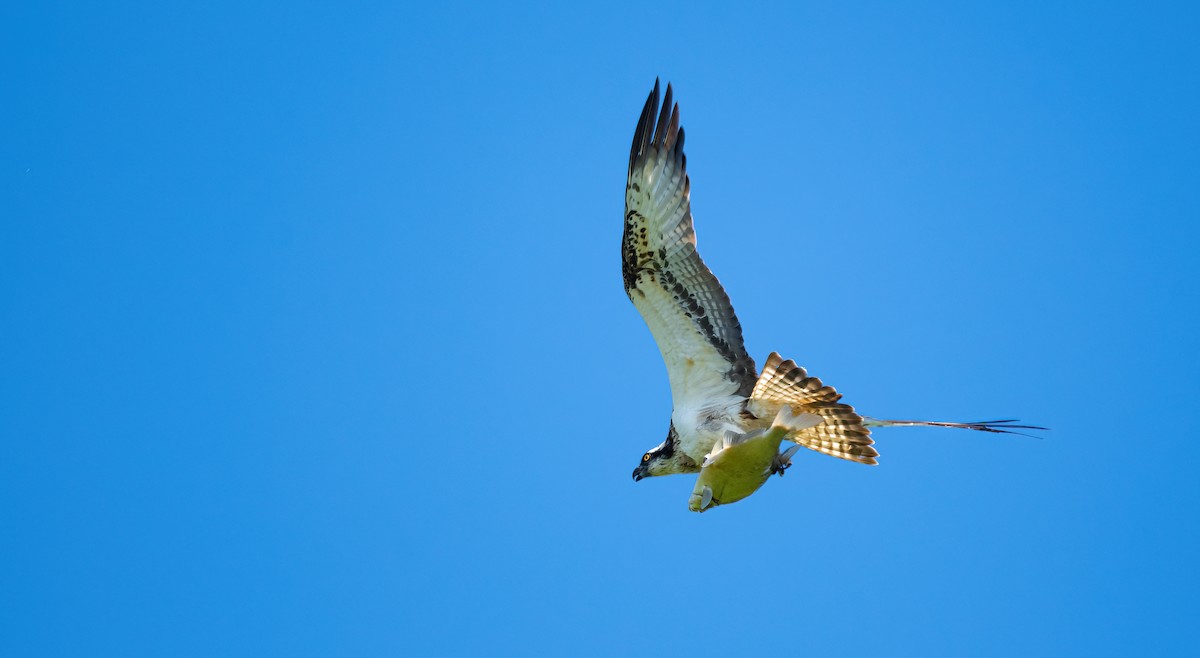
(681, 301)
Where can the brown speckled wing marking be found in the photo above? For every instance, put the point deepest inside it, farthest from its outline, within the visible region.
(684, 305)
(841, 434)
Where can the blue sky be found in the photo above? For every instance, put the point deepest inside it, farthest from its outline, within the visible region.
(314, 338)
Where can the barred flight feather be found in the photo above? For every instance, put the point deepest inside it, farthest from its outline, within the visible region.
(683, 304)
(841, 433)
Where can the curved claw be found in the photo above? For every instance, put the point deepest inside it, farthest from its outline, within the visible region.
(783, 461)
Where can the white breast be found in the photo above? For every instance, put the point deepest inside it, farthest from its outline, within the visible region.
(699, 427)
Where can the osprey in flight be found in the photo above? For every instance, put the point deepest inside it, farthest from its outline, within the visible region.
(727, 423)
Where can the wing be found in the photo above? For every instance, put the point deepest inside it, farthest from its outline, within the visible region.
(681, 301)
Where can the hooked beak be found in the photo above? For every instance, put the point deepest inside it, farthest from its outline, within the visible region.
(639, 473)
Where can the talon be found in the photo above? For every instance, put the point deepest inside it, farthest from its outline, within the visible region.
(784, 461)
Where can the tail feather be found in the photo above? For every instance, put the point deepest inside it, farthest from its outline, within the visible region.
(784, 381)
(841, 433)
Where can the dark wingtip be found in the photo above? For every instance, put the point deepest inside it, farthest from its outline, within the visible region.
(664, 117)
(643, 135)
(658, 126)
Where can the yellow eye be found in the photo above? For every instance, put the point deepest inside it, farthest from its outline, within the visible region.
(646, 457)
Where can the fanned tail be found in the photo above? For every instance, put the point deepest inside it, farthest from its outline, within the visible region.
(995, 426)
(841, 433)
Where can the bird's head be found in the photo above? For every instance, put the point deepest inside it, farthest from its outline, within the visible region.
(665, 459)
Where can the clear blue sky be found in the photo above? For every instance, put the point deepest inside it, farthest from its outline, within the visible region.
(314, 340)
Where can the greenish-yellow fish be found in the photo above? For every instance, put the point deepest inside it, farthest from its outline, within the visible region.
(739, 464)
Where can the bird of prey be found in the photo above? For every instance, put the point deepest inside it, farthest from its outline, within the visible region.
(727, 422)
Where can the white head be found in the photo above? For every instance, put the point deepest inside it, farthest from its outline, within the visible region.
(665, 459)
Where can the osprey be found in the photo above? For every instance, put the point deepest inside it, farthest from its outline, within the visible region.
(727, 422)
